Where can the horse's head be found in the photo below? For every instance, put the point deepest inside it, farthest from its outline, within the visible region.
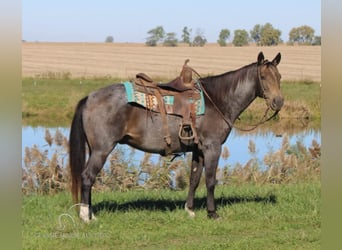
(269, 80)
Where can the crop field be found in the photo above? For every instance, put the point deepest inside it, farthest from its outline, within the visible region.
(120, 60)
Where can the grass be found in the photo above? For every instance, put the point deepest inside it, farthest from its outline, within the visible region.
(307, 93)
(285, 216)
(51, 102)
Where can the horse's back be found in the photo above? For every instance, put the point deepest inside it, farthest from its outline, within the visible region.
(107, 95)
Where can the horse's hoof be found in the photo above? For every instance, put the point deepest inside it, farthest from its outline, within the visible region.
(93, 217)
(190, 212)
(213, 215)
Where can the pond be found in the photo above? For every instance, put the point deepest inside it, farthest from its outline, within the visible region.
(237, 143)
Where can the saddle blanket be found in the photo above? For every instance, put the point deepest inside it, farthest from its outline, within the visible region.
(150, 102)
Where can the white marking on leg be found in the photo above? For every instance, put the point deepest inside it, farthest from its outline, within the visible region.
(84, 212)
(190, 212)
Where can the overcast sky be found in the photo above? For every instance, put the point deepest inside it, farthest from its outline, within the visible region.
(130, 20)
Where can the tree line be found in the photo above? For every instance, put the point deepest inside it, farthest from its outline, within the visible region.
(261, 35)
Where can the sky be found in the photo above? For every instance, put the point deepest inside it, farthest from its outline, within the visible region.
(130, 20)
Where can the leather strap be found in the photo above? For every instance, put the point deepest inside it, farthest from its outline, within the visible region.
(162, 110)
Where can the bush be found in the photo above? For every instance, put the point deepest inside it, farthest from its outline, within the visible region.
(109, 39)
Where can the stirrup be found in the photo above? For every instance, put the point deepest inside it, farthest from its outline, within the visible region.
(184, 126)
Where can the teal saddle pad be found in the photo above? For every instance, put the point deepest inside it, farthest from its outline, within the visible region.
(150, 102)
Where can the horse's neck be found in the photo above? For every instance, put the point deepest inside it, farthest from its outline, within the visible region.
(242, 97)
(233, 94)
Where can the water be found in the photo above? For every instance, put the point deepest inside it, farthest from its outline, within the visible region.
(237, 144)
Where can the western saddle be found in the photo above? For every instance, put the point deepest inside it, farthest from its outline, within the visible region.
(185, 92)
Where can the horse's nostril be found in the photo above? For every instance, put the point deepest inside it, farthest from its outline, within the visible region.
(277, 102)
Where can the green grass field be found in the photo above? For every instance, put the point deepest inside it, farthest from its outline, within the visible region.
(272, 216)
(51, 102)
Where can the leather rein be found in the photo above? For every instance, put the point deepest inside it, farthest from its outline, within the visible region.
(227, 120)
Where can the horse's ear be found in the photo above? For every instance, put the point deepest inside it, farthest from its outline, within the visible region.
(276, 60)
(261, 58)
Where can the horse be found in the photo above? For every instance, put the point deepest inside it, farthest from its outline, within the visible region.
(104, 118)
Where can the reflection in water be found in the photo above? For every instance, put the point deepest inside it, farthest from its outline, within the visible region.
(266, 139)
(284, 127)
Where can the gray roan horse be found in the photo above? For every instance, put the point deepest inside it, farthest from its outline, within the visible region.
(104, 118)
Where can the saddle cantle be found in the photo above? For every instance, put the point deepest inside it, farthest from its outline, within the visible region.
(183, 82)
(181, 97)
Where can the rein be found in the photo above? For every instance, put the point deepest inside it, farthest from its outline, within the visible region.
(227, 120)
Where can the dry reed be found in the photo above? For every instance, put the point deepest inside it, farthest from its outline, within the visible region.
(46, 171)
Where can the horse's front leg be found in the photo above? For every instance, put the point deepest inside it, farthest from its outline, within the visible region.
(212, 153)
(195, 177)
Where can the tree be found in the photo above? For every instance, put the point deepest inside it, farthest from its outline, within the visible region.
(256, 34)
(317, 40)
(186, 35)
(224, 35)
(109, 39)
(156, 35)
(240, 38)
(302, 35)
(199, 39)
(269, 35)
(170, 39)
(265, 35)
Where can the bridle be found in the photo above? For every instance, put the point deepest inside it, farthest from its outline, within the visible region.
(227, 120)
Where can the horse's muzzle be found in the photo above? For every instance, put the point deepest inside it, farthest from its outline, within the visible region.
(277, 103)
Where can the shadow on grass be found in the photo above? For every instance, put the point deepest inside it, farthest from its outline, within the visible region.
(170, 205)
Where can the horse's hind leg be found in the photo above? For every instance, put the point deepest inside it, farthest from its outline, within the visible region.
(94, 165)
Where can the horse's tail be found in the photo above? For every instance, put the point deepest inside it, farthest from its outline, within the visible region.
(77, 150)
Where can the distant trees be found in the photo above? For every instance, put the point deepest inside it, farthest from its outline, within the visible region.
(240, 38)
(223, 37)
(317, 40)
(156, 35)
(265, 35)
(199, 39)
(159, 36)
(303, 35)
(170, 39)
(269, 35)
(109, 39)
(186, 35)
(256, 34)
(261, 35)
